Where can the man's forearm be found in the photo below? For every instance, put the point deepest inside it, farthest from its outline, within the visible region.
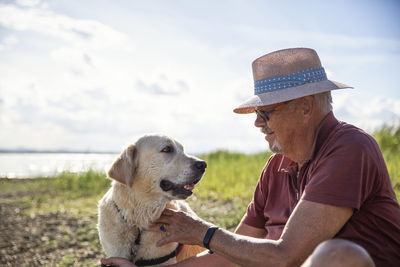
(247, 251)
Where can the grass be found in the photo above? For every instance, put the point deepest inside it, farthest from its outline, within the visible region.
(74, 184)
(388, 138)
(227, 187)
(231, 175)
(77, 194)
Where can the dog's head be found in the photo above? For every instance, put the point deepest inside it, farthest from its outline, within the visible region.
(157, 164)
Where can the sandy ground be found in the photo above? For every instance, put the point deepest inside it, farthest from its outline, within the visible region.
(53, 239)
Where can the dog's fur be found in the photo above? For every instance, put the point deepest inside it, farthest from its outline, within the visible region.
(149, 175)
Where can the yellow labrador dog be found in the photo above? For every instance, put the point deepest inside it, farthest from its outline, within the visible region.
(149, 175)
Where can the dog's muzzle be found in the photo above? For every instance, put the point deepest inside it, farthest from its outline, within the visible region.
(185, 190)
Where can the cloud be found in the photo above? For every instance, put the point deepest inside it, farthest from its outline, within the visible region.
(8, 41)
(164, 87)
(77, 60)
(75, 31)
(28, 3)
(367, 112)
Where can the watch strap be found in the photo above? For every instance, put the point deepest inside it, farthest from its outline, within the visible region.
(207, 238)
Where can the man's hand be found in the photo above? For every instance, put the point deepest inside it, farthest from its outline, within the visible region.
(117, 262)
(180, 227)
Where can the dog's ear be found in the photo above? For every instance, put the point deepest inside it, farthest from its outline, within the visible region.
(124, 168)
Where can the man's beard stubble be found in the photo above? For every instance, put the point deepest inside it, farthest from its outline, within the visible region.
(275, 146)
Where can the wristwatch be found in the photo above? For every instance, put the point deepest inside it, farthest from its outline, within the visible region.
(207, 238)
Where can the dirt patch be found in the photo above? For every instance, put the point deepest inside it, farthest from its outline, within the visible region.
(52, 239)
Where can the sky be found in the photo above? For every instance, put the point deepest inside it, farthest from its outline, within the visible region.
(95, 75)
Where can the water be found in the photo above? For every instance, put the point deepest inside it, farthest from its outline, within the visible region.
(31, 165)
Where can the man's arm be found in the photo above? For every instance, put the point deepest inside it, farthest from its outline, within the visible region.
(215, 260)
(310, 224)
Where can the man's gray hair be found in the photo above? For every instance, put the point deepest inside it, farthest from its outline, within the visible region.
(324, 101)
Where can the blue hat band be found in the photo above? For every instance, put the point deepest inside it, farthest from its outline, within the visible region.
(291, 80)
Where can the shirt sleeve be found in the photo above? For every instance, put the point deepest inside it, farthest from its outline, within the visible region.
(254, 215)
(255, 211)
(346, 175)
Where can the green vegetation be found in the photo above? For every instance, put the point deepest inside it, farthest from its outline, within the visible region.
(74, 185)
(388, 138)
(82, 185)
(231, 175)
(71, 192)
(227, 187)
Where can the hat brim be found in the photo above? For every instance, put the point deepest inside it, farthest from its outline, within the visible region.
(287, 94)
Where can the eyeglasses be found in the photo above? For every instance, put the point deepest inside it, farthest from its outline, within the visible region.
(264, 114)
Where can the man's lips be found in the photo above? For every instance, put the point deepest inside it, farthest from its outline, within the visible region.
(268, 132)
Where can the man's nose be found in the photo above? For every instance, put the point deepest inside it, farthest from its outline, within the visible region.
(259, 122)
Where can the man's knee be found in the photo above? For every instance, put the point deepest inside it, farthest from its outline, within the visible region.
(339, 252)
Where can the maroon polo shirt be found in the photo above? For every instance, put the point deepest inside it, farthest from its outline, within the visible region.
(346, 169)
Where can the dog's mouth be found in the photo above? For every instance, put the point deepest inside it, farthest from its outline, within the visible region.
(179, 190)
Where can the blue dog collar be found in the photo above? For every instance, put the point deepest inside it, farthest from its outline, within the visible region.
(291, 80)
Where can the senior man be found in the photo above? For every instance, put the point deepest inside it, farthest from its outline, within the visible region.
(324, 197)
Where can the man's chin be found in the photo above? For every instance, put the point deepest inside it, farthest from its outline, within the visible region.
(275, 147)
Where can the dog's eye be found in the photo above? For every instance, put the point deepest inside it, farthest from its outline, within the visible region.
(167, 149)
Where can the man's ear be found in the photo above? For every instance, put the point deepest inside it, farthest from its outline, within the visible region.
(124, 167)
(308, 106)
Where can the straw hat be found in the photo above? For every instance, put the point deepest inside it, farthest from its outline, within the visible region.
(285, 75)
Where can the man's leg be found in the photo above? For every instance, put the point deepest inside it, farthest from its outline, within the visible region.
(339, 252)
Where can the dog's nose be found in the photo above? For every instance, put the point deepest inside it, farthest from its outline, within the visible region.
(200, 164)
